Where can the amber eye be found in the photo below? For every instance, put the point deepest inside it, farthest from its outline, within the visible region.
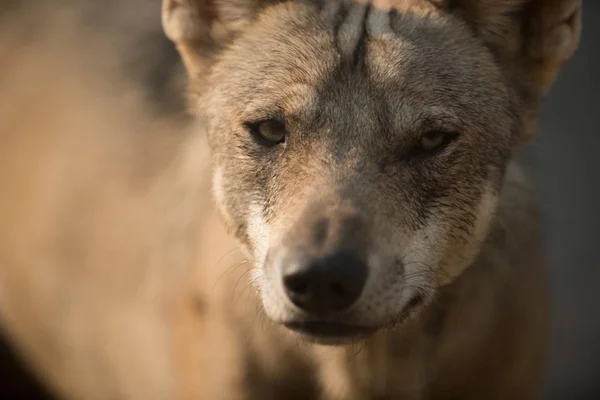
(269, 131)
(432, 140)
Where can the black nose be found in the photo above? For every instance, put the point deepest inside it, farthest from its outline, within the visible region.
(325, 285)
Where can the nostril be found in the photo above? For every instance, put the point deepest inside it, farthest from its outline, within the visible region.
(337, 289)
(296, 284)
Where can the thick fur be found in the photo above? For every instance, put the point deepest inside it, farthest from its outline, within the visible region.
(118, 280)
(356, 84)
(100, 206)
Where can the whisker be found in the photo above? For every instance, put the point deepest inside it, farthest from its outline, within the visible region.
(232, 302)
(228, 271)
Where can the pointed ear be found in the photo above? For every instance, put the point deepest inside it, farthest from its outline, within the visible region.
(200, 27)
(531, 40)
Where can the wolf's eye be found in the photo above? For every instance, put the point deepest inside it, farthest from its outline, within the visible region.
(270, 131)
(434, 141)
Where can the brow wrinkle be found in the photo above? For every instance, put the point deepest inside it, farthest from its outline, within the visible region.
(354, 22)
(351, 32)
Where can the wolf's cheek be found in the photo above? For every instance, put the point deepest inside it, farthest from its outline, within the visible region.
(259, 233)
(464, 244)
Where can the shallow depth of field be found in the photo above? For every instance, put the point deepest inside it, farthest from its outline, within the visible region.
(90, 91)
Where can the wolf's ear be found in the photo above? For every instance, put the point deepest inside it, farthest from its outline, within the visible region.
(200, 27)
(531, 39)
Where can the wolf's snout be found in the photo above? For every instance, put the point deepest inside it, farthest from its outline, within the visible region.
(325, 285)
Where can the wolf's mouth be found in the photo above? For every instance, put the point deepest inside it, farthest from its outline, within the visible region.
(336, 333)
(328, 332)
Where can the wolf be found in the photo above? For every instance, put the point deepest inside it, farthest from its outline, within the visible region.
(99, 200)
(365, 156)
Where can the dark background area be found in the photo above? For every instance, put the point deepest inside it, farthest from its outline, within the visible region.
(565, 161)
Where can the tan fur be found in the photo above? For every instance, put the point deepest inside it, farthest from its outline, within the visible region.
(105, 208)
(481, 333)
(99, 205)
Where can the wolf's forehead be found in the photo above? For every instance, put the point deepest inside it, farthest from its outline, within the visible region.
(337, 32)
(355, 23)
(398, 54)
(317, 45)
(391, 40)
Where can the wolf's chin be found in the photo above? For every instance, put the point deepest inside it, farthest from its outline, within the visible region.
(330, 334)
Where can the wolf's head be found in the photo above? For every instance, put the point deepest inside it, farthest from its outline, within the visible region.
(359, 148)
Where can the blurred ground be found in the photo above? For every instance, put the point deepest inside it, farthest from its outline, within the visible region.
(563, 159)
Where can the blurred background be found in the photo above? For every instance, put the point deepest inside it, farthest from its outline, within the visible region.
(567, 168)
(564, 159)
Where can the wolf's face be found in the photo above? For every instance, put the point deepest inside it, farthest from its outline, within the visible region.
(359, 161)
(358, 149)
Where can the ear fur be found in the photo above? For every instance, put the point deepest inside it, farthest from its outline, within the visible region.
(531, 39)
(199, 27)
